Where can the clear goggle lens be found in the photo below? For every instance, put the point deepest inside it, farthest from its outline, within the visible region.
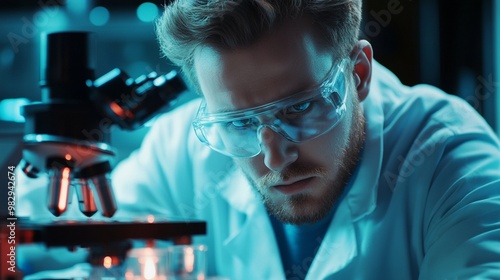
(299, 118)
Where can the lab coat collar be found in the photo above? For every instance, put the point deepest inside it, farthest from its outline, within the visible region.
(253, 240)
(239, 194)
(340, 245)
(362, 197)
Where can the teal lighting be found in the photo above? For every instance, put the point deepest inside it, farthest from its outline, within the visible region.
(99, 16)
(147, 12)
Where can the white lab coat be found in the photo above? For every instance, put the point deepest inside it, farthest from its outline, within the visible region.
(425, 203)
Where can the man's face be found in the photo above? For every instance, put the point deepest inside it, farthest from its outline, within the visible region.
(299, 182)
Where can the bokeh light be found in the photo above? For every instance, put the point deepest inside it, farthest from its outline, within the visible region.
(147, 12)
(99, 16)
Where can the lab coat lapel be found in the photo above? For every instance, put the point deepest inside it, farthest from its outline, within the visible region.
(239, 194)
(252, 240)
(362, 198)
(340, 245)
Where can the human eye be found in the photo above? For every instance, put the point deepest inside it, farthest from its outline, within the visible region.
(298, 108)
(240, 124)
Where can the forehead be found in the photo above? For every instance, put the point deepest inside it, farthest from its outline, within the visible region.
(288, 60)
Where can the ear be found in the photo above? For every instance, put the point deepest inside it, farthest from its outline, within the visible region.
(362, 55)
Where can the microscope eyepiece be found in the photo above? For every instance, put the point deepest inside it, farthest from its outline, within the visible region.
(131, 103)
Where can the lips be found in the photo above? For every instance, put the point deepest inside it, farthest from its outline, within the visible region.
(294, 187)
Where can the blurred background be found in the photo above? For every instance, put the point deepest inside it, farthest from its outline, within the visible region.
(123, 37)
(450, 44)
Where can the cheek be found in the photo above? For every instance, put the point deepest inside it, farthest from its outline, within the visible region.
(329, 146)
(253, 167)
(332, 145)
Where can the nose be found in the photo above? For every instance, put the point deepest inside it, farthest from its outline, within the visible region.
(278, 151)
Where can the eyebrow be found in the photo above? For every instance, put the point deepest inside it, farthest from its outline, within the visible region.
(221, 111)
(294, 92)
(285, 95)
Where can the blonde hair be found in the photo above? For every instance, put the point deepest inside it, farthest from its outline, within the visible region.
(228, 24)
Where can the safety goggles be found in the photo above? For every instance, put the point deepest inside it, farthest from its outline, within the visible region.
(299, 118)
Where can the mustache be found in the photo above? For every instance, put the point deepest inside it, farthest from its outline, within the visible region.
(294, 170)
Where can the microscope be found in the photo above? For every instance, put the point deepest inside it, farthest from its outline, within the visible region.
(67, 135)
(67, 138)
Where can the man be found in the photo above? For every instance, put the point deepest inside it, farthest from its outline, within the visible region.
(310, 160)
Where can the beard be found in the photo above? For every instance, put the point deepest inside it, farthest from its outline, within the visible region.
(307, 208)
